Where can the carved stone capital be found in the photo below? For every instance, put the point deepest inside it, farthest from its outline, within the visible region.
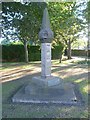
(46, 35)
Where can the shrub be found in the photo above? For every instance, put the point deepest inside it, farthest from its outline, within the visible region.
(80, 53)
(13, 53)
(57, 51)
(16, 53)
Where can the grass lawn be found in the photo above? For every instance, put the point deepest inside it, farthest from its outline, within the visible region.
(15, 75)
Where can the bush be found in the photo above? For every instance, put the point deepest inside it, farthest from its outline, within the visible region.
(34, 53)
(16, 53)
(78, 53)
(12, 53)
(57, 51)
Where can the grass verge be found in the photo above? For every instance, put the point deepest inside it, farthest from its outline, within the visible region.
(69, 72)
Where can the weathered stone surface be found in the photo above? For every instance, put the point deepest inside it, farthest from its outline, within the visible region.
(45, 34)
(46, 81)
(45, 59)
(60, 94)
(47, 88)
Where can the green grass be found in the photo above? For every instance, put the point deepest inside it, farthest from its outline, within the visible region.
(16, 110)
(11, 65)
(84, 62)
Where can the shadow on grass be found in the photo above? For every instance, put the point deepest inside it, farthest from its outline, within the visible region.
(31, 111)
(19, 64)
(11, 86)
(82, 62)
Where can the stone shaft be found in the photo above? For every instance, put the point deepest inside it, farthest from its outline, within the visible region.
(45, 59)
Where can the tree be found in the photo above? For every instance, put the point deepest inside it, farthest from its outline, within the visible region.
(25, 21)
(21, 20)
(65, 22)
(87, 17)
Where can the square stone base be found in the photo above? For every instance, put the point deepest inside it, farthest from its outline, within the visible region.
(46, 81)
(64, 93)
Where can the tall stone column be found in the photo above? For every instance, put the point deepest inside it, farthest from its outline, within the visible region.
(46, 36)
(45, 60)
(48, 89)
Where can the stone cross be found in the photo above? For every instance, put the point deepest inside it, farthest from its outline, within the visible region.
(45, 36)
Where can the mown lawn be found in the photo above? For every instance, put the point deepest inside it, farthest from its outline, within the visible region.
(15, 75)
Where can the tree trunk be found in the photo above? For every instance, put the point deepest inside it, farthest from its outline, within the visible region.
(60, 58)
(26, 51)
(69, 50)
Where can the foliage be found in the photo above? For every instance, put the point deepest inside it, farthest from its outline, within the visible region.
(25, 21)
(21, 20)
(15, 53)
(80, 43)
(65, 23)
(76, 52)
(64, 20)
(26, 18)
(86, 12)
(57, 51)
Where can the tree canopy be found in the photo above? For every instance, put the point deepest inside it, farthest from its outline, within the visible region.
(24, 21)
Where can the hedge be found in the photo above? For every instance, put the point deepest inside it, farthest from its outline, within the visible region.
(57, 51)
(12, 53)
(16, 53)
(80, 53)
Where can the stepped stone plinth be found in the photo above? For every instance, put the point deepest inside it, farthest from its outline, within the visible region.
(47, 88)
